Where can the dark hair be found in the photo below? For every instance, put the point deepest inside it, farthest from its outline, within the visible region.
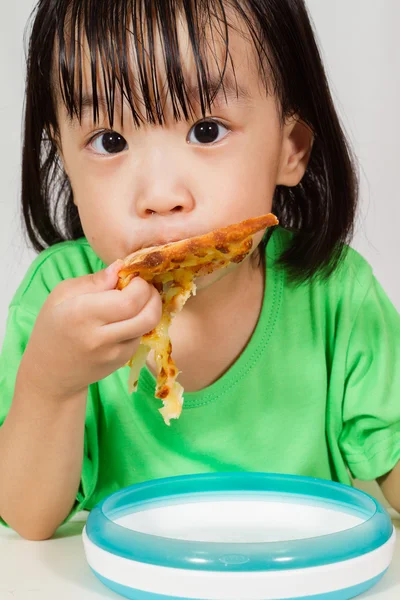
(320, 210)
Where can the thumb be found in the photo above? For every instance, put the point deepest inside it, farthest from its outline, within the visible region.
(106, 279)
(102, 281)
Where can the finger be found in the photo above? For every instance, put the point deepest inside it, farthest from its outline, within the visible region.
(130, 329)
(101, 281)
(115, 305)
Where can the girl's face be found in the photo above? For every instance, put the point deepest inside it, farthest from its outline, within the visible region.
(137, 187)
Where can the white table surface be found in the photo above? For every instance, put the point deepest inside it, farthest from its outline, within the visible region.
(56, 569)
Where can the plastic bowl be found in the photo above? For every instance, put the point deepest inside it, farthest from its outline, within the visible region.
(239, 536)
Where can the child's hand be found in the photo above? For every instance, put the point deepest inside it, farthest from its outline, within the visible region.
(86, 330)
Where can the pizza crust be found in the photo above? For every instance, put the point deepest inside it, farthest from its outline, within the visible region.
(227, 244)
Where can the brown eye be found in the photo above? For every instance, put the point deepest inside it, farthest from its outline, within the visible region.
(207, 132)
(109, 142)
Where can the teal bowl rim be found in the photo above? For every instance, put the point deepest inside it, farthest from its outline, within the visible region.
(373, 532)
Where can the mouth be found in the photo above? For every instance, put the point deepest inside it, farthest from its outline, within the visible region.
(168, 239)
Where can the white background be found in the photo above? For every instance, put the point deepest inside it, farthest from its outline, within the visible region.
(360, 44)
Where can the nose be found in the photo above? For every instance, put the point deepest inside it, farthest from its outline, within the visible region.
(164, 189)
(164, 203)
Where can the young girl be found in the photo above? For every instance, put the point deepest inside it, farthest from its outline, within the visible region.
(152, 121)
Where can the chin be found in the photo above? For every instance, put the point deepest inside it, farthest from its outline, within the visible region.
(207, 281)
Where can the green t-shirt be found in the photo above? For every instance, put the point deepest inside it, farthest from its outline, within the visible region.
(315, 392)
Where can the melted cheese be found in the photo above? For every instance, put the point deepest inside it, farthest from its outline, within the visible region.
(178, 286)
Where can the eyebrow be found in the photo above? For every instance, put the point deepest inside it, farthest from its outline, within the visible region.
(229, 89)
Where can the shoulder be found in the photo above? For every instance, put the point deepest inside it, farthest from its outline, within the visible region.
(352, 278)
(55, 264)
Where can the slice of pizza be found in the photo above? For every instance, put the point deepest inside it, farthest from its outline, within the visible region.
(172, 269)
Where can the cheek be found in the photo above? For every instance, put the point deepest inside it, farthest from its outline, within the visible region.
(99, 197)
(95, 185)
(94, 181)
(97, 207)
(103, 228)
(245, 185)
(103, 234)
(246, 169)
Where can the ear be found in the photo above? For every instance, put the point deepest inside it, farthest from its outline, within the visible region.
(297, 141)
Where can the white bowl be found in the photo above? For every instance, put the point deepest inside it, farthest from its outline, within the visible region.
(239, 536)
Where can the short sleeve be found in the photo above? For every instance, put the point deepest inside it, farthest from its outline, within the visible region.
(370, 438)
(18, 330)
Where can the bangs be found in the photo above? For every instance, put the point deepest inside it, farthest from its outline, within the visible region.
(157, 55)
(140, 53)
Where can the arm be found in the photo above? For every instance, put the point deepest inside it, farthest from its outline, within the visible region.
(41, 451)
(85, 331)
(390, 485)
